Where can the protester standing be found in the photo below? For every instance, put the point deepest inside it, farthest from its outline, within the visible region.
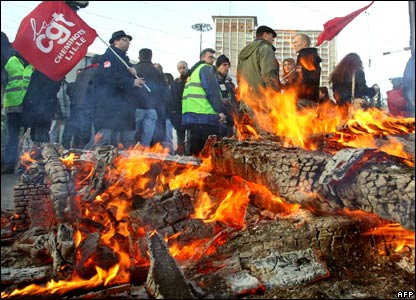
(257, 70)
(83, 94)
(62, 114)
(18, 75)
(117, 100)
(257, 63)
(308, 71)
(152, 104)
(289, 69)
(229, 99)
(177, 88)
(202, 108)
(349, 68)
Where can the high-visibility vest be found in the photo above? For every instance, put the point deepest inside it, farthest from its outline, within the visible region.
(194, 99)
(18, 80)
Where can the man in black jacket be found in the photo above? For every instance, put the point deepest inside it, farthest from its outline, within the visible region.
(117, 80)
(152, 104)
(308, 75)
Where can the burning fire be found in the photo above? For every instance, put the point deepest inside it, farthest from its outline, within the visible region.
(142, 172)
(278, 114)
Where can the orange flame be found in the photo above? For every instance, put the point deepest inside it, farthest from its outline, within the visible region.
(69, 160)
(102, 277)
(278, 114)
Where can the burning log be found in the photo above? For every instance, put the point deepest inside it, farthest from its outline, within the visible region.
(91, 251)
(60, 185)
(25, 275)
(104, 156)
(62, 249)
(165, 279)
(364, 179)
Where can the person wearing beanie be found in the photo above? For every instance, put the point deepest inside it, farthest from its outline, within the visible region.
(222, 59)
(258, 69)
(229, 99)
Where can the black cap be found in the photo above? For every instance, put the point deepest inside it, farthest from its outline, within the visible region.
(118, 35)
(222, 59)
(267, 29)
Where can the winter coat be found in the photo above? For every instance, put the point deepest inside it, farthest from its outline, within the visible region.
(176, 89)
(307, 81)
(41, 100)
(257, 65)
(157, 98)
(229, 99)
(83, 94)
(343, 90)
(116, 100)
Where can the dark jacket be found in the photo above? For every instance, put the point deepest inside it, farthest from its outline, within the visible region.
(41, 100)
(157, 98)
(176, 108)
(83, 94)
(116, 98)
(308, 80)
(343, 90)
(229, 99)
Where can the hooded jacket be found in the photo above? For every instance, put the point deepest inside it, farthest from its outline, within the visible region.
(258, 66)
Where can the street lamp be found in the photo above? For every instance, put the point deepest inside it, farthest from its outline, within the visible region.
(201, 27)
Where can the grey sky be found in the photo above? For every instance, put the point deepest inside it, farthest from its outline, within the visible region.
(165, 27)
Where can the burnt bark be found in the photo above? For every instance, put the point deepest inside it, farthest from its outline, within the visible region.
(358, 179)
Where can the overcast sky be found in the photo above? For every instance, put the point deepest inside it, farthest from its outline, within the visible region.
(165, 27)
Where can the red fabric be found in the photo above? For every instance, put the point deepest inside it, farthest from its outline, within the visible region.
(335, 25)
(53, 38)
(396, 103)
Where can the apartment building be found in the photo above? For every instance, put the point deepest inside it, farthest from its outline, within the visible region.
(233, 33)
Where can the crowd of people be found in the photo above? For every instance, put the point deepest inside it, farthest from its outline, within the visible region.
(113, 102)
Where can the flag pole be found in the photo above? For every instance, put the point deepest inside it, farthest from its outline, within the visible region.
(122, 60)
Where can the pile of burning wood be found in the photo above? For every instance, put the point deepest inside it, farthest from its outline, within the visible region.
(247, 216)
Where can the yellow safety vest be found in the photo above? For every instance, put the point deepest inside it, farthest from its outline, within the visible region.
(194, 98)
(18, 80)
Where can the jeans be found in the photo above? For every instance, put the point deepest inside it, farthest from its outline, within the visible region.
(106, 136)
(14, 124)
(169, 137)
(56, 131)
(145, 125)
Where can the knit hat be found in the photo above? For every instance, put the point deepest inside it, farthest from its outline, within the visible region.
(222, 59)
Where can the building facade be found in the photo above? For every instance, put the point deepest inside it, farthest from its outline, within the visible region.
(233, 33)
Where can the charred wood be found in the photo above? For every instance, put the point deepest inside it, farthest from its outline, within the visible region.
(165, 279)
(104, 157)
(61, 186)
(358, 179)
(25, 275)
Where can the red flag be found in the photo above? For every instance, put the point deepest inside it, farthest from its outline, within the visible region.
(53, 38)
(335, 25)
